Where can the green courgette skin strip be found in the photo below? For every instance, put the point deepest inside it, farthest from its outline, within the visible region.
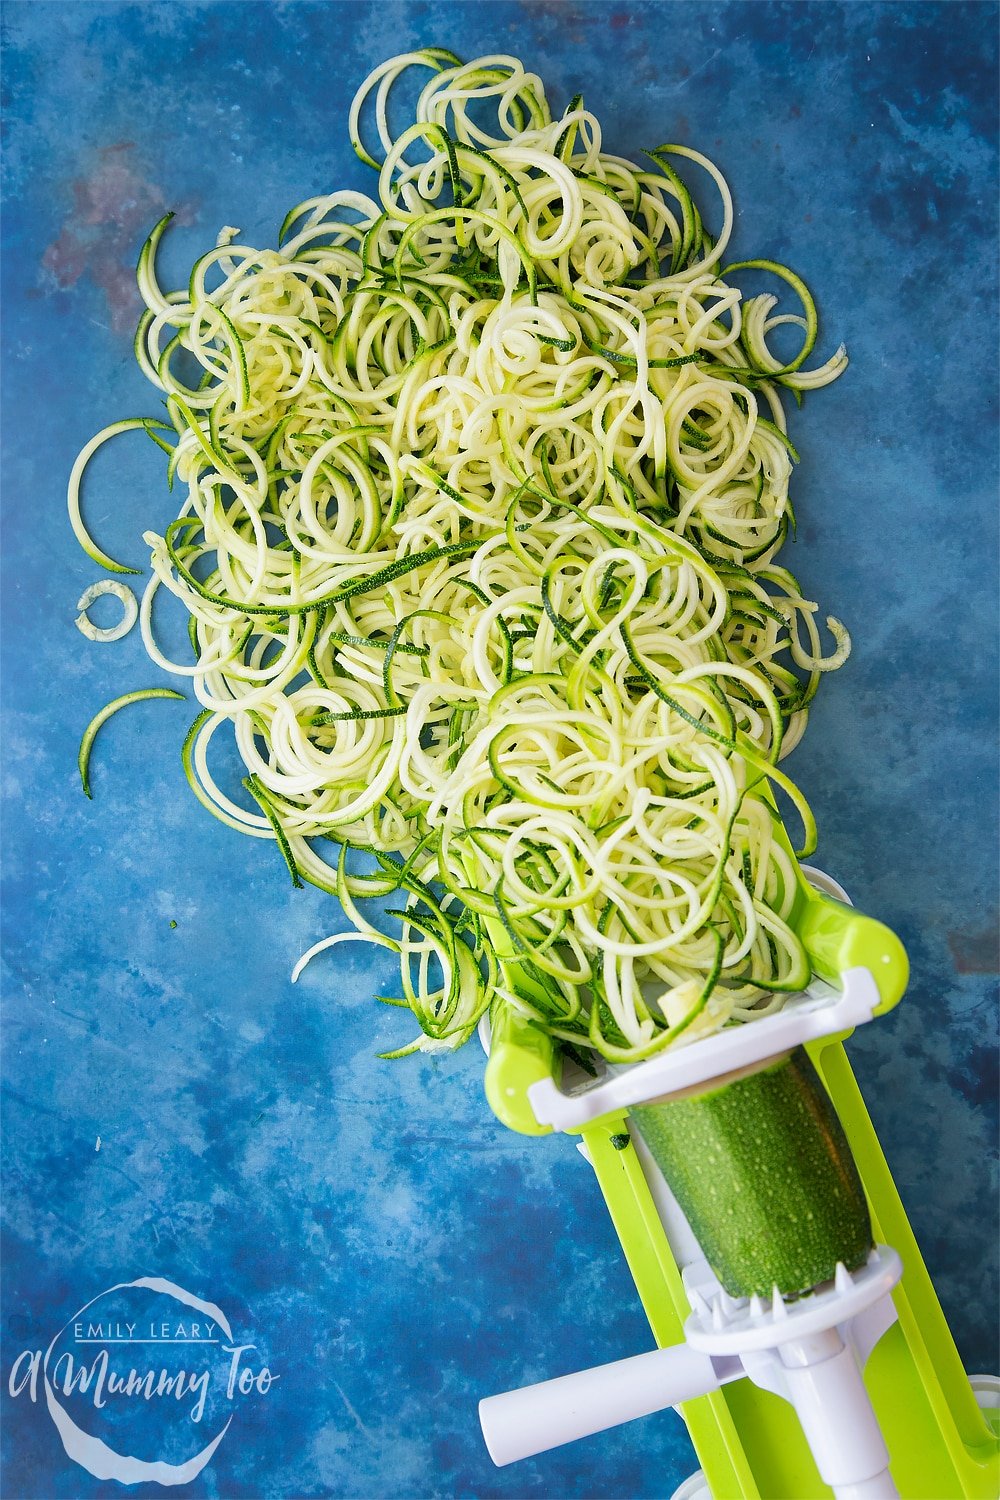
(91, 731)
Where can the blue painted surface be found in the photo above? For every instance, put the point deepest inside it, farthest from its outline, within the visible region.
(393, 1253)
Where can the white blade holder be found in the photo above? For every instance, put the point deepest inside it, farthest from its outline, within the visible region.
(819, 1011)
(811, 1352)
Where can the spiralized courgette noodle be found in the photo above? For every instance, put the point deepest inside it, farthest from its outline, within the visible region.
(116, 590)
(484, 480)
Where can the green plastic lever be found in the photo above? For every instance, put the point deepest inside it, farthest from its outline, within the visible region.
(520, 1054)
(838, 938)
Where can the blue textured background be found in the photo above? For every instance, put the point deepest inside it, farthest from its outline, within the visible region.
(395, 1251)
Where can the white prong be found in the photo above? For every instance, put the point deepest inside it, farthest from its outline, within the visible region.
(729, 1304)
(718, 1321)
(842, 1278)
(698, 1303)
(778, 1308)
(756, 1307)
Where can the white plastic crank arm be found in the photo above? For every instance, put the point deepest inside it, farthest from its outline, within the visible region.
(522, 1423)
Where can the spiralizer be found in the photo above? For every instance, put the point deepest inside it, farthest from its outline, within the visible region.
(797, 1329)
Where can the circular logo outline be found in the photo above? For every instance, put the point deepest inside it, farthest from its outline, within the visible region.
(92, 1453)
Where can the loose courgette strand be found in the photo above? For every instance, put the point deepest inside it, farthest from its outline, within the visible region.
(102, 717)
(484, 478)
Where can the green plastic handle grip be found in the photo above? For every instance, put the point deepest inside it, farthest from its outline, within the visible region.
(838, 938)
(520, 1054)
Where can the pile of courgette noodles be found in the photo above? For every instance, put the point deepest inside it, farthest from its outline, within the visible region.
(483, 480)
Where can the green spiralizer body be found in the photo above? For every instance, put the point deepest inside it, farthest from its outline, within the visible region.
(756, 1436)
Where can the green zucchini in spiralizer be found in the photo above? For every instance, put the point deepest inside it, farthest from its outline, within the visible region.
(482, 485)
(765, 1177)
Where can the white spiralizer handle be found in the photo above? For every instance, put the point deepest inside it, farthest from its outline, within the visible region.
(522, 1423)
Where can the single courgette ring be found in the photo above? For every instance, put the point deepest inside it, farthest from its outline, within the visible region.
(764, 1175)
